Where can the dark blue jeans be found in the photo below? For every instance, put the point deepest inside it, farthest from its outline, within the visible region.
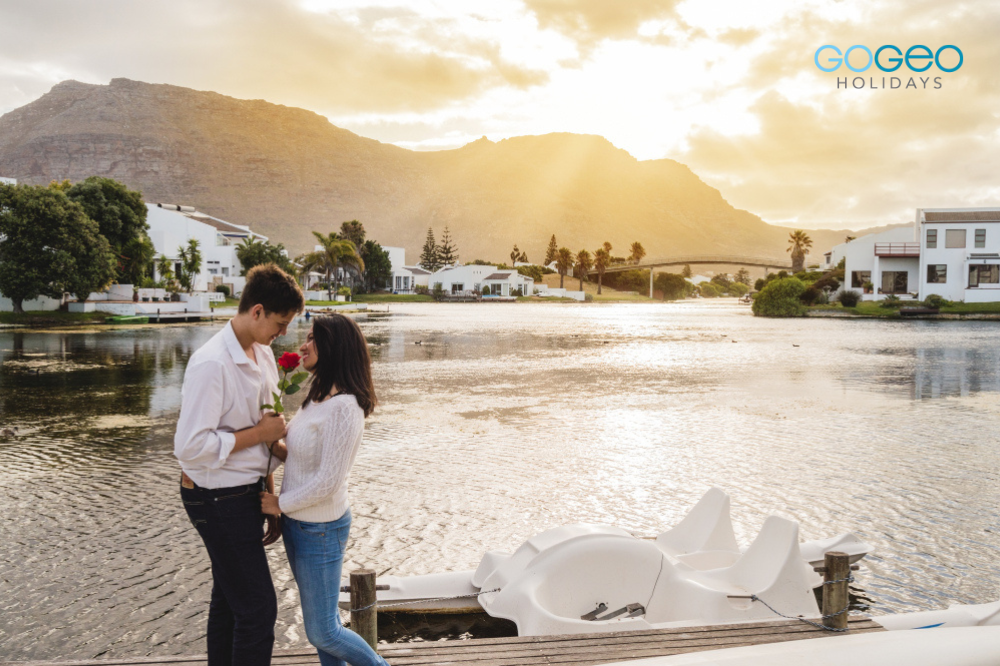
(244, 606)
(316, 555)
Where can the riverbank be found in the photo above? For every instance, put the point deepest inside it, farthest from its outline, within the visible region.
(874, 310)
(51, 319)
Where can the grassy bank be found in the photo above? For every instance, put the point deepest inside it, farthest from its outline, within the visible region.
(376, 298)
(47, 319)
(590, 288)
(872, 309)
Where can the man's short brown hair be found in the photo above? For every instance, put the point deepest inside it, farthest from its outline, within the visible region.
(273, 288)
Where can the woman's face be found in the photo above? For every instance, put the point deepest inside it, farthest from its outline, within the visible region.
(308, 353)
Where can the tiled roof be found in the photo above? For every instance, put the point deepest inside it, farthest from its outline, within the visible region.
(963, 216)
(417, 270)
(497, 276)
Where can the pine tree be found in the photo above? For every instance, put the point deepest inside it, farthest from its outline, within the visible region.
(446, 252)
(552, 253)
(429, 258)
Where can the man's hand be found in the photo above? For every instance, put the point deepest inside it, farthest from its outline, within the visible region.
(271, 427)
(273, 532)
(269, 504)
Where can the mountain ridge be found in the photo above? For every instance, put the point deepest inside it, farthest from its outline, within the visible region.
(286, 171)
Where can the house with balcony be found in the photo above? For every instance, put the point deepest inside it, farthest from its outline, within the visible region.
(951, 252)
(172, 225)
(405, 279)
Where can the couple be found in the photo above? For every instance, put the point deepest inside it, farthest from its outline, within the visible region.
(228, 450)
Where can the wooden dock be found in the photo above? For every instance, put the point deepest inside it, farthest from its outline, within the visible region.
(570, 650)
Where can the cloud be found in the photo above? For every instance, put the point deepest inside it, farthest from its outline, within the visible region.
(589, 21)
(387, 60)
(846, 157)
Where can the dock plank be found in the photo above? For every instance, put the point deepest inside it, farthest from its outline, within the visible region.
(562, 650)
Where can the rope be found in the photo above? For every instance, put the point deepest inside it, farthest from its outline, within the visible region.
(849, 579)
(421, 601)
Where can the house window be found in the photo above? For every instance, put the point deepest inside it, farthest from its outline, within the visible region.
(980, 237)
(931, 239)
(894, 282)
(954, 238)
(937, 273)
(225, 270)
(457, 287)
(858, 278)
(213, 271)
(984, 274)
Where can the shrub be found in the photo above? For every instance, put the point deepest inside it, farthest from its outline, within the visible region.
(486, 290)
(421, 289)
(827, 281)
(890, 301)
(738, 289)
(438, 292)
(780, 298)
(759, 284)
(588, 298)
(222, 289)
(343, 291)
(936, 301)
(709, 290)
(810, 295)
(822, 299)
(517, 292)
(849, 298)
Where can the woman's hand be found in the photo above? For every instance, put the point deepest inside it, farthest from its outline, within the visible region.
(279, 450)
(269, 504)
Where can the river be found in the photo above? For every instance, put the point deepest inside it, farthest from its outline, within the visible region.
(499, 421)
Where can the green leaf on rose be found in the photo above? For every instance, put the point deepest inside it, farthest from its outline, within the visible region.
(278, 409)
(299, 377)
(283, 384)
(263, 407)
(294, 388)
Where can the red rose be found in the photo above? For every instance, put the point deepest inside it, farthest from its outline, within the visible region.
(289, 361)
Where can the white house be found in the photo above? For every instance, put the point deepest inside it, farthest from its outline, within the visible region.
(8, 181)
(170, 228)
(473, 277)
(951, 252)
(506, 283)
(405, 278)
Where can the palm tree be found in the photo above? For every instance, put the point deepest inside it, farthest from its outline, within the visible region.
(584, 262)
(334, 254)
(564, 262)
(638, 252)
(798, 244)
(602, 258)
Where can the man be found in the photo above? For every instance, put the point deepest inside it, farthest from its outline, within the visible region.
(222, 443)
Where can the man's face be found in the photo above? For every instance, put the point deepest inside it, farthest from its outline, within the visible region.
(268, 326)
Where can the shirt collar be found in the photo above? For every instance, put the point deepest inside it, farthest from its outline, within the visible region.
(233, 345)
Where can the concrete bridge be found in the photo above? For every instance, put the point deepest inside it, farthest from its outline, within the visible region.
(756, 262)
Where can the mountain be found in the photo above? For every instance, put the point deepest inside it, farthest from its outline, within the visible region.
(286, 171)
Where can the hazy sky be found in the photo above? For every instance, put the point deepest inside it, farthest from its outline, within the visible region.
(729, 88)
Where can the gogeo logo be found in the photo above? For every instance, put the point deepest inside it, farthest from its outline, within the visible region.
(889, 58)
(915, 55)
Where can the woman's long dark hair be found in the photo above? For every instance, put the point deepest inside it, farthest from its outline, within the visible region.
(343, 361)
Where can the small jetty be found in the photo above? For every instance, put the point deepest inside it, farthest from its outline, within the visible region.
(569, 650)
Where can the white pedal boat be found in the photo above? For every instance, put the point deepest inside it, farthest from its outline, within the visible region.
(698, 558)
(963, 646)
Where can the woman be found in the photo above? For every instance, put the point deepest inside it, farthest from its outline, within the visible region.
(322, 442)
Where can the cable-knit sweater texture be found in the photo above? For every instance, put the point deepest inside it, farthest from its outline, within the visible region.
(323, 440)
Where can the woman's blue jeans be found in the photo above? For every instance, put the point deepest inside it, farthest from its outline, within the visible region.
(316, 555)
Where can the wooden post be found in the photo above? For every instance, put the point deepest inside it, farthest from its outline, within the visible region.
(364, 622)
(835, 595)
(650, 281)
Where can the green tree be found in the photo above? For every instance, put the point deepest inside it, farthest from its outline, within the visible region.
(516, 255)
(552, 253)
(255, 252)
(672, 286)
(780, 298)
(378, 266)
(334, 253)
(686, 272)
(166, 270)
(564, 262)
(120, 214)
(446, 251)
(190, 257)
(799, 244)
(353, 231)
(584, 262)
(48, 246)
(602, 258)
(742, 276)
(638, 252)
(429, 258)
(722, 280)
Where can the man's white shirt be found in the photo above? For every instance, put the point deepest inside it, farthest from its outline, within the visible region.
(222, 394)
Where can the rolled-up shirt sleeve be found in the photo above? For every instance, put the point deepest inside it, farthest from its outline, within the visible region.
(198, 440)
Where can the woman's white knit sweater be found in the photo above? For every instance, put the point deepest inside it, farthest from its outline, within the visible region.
(322, 441)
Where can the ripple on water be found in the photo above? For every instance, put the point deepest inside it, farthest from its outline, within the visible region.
(503, 422)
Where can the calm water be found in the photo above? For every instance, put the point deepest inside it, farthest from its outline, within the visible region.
(500, 421)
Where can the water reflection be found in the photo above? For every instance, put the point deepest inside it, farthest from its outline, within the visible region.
(499, 422)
